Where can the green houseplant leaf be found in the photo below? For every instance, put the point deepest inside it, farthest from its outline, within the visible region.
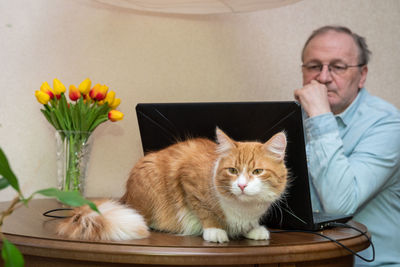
(71, 198)
(7, 173)
(11, 255)
(3, 183)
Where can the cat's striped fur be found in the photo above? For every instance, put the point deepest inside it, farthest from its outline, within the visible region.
(196, 187)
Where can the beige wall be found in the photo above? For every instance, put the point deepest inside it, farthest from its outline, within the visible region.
(147, 57)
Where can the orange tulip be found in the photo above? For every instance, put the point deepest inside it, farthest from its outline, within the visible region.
(102, 92)
(74, 93)
(98, 92)
(115, 115)
(93, 91)
(42, 97)
(45, 88)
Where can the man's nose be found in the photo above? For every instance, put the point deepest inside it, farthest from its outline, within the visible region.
(325, 75)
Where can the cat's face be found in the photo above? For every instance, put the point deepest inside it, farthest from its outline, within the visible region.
(251, 171)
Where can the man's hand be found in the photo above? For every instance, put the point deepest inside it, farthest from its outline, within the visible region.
(313, 97)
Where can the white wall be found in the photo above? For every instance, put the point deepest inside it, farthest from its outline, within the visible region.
(147, 57)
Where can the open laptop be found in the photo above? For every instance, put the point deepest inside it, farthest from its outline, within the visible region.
(162, 124)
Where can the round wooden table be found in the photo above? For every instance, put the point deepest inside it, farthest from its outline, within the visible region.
(34, 235)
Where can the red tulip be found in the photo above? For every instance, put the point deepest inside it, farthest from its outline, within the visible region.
(98, 92)
(74, 93)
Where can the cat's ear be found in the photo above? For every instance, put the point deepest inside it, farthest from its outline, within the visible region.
(276, 145)
(224, 142)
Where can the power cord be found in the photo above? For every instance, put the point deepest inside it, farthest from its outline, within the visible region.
(344, 225)
(47, 213)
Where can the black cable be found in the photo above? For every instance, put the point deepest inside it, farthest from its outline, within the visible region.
(361, 232)
(334, 240)
(47, 213)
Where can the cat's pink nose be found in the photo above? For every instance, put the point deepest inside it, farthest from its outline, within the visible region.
(242, 186)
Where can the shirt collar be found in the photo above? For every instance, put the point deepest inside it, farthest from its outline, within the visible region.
(347, 115)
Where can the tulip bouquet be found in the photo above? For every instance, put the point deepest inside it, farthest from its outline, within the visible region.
(75, 120)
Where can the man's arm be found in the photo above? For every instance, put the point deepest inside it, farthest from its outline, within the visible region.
(346, 182)
(345, 179)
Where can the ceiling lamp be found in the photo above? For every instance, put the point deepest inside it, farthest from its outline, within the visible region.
(198, 6)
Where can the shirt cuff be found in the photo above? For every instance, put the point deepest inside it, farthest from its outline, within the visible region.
(320, 125)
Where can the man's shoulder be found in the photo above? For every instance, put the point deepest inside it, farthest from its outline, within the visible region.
(377, 107)
(378, 119)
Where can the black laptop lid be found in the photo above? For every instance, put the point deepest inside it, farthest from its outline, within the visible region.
(162, 124)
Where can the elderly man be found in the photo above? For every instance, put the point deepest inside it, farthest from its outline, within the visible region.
(353, 139)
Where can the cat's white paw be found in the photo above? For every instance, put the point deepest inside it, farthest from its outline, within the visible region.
(258, 233)
(215, 235)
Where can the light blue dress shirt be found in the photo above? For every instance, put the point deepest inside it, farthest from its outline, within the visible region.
(354, 163)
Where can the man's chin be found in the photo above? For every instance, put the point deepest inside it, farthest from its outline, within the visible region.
(333, 104)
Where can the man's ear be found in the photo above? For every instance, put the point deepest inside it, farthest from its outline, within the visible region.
(364, 72)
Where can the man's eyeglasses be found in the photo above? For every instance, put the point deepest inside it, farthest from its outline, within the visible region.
(336, 68)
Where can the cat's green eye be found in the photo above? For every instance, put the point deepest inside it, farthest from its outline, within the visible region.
(257, 171)
(233, 171)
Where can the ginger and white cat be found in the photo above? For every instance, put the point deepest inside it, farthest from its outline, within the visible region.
(195, 187)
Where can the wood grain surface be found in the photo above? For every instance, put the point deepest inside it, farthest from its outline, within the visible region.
(34, 235)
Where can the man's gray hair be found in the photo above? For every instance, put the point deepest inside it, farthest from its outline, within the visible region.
(363, 51)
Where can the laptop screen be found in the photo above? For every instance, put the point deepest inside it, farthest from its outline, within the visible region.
(163, 124)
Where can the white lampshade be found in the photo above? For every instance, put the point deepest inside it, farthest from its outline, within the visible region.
(198, 6)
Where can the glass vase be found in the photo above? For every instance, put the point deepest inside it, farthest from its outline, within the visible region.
(73, 153)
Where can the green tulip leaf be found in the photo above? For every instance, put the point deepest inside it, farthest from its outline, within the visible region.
(98, 121)
(11, 255)
(46, 113)
(6, 172)
(65, 112)
(60, 119)
(97, 112)
(53, 118)
(76, 118)
(71, 198)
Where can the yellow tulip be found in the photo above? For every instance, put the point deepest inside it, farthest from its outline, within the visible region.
(110, 97)
(74, 93)
(45, 88)
(115, 115)
(115, 103)
(84, 87)
(58, 87)
(42, 97)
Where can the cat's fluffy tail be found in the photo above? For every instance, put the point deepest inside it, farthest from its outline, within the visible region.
(115, 222)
